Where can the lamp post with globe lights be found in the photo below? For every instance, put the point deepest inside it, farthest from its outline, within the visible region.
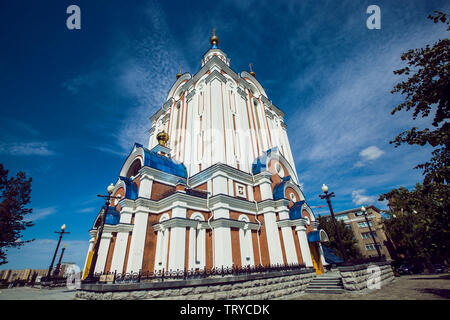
(61, 233)
(327, 197)
(364, 212)
(108, 198)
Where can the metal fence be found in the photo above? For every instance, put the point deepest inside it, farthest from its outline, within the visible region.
(164, 275)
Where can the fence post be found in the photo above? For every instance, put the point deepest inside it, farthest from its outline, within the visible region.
(162, 276)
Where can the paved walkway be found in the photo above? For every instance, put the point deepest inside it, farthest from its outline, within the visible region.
(414, 287)
(27, 293)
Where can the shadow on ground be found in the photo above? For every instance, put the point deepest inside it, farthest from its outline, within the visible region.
(444, 293)
(437, 277)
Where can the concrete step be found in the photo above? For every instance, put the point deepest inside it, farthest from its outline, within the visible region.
(318, 285)
(325, 291)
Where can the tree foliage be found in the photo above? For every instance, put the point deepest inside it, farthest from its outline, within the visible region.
(349, 242)
(14, 196)
(419, 225)
(427, 90)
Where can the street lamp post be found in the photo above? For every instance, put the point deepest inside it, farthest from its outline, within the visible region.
(364, 211)
(61, 233)
(327, 196)
(58, 266)
(100, 228)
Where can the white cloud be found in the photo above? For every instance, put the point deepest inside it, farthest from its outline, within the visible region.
(26, 149)
(89, 209)
(40, 213)
(371, 153)
(359, 198)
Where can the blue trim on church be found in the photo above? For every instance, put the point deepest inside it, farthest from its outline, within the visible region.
(131, 189)
(112, 216)
(314, 236)
(162, 163)
(295, 212)
(278, 190)
(260, 164)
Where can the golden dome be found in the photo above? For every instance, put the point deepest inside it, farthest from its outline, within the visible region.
(162, 138)
(251, 71)
(214, 40)
(179, 74)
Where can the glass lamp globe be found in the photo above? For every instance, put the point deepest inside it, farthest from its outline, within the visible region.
(110, 188)
(63, 227)
(324, 188)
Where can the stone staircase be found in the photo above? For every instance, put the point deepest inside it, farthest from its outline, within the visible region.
(326, 283)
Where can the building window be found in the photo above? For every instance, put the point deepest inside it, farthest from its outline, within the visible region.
(341, 217)
(371, 246)
(364, 224)
(366, 235)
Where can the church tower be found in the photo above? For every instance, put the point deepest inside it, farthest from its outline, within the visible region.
(216, 186)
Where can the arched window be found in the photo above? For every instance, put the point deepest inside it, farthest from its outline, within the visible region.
(134, 168)
(162, 244)
(197, 243)
(245, 240)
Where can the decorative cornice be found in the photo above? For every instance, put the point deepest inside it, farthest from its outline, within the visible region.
(121, 227)
(230, 172)
(191, 223)
(183, 200)
(215, 75)
(190, 95)
(160, 176)
(291, 223)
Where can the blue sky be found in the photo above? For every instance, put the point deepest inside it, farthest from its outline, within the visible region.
(75, 101)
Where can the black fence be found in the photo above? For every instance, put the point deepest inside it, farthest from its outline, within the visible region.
(163, 275)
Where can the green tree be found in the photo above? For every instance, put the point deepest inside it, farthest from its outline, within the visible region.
(427, 91)
(348, 239)
(14, 196)
(419, 222)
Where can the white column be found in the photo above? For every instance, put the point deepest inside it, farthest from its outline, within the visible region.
(273, 239)
(91, 246)
(177, 241)
(288, 238)
(304, 246)
(120, 249)
(137, 244)
(103, 252)
(222, 241)
(145, 186)
(322, 257)
(270, 221)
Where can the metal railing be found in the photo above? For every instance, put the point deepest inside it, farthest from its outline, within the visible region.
(191, 274)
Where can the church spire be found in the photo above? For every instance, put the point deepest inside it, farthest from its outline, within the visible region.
(214, 40)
